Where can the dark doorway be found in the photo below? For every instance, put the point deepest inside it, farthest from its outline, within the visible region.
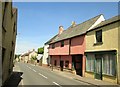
(55, 63)
(77, 63)
(61, 65)
(37, 61)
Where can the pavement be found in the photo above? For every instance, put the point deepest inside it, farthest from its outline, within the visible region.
(85, 79)
(91, 81)
(15, 79)
(25, 74)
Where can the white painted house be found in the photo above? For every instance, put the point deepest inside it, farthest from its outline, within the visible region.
(46, 57)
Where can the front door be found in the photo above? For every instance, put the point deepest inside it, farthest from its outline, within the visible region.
(98, 67)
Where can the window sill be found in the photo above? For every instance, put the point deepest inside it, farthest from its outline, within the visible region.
(98, 43)
(89, 71)
(109, 75)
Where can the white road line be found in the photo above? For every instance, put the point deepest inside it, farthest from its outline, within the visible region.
(42, 75)
(29, 67)
(33, 70)
(32, 65)
(57, 84)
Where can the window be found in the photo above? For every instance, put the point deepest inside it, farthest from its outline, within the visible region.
(10, 55)
(55, 63)
(109, 64)
(99, 36)
(12, 44)
(62, 43)
(5, 16)
(90, 63)
(3, 54)
(66, 64)
(53, 46)
(3, 35)
(14, 28)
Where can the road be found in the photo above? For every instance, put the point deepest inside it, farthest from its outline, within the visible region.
(37, 75)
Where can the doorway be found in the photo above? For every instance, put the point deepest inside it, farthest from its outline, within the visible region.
(61, 65)
(77, 63)
(98, 67)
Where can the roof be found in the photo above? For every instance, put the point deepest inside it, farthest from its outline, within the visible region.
(51, 39)
(106, 22)
(26, 54)
(76, 30)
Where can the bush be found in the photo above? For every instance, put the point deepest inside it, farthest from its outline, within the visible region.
(40, 50)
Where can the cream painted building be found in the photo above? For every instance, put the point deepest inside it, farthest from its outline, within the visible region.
(9, 32)
(102, 59)
(27, 56)
(31, 54)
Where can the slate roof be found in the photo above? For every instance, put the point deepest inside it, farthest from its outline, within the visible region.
(76, 30)
(51, 39)
(106, 22)
(26, 54)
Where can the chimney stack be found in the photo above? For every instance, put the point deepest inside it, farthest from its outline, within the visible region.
(73, 23)
(33, 49)
(60, 29)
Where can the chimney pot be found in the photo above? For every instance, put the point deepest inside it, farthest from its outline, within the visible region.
(60, 29)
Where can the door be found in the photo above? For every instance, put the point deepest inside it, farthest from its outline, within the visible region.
(98, 67)
(61, 65)
(77, 61)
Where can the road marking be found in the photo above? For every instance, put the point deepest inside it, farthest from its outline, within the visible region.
(32, 65)
(33, 70)
(57, 84)
(29, 67)
(42, 75)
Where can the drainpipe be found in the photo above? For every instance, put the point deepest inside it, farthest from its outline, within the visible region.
(60, 61)
(70, 53)
(69, 45)
(52, 63)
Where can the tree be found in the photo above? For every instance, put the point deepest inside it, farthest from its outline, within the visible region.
(33, 58)
(40, 50)
(17, 56)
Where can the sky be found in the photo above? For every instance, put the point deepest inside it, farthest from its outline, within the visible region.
(39, 21)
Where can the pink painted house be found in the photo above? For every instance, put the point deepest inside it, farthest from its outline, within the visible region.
(67, 49)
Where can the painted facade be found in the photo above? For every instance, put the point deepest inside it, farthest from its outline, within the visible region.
(67, 49)
(102, 60)
(46, 60)
(46, 57)
(58, 50)
(9, 32)
(31, 54)
(26, 57)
